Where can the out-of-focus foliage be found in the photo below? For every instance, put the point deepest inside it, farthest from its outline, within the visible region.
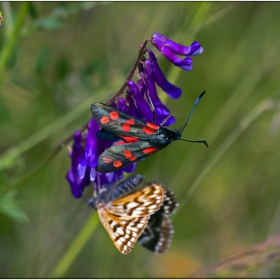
(246, 263)
(58, 58)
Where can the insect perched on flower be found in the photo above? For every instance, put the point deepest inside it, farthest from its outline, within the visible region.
(135, 138)
(138, 101)
(158, 234)
(124, 210)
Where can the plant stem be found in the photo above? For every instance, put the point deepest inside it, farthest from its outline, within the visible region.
(10, 44)
(76, 247)
(255, 113)
(132, 72)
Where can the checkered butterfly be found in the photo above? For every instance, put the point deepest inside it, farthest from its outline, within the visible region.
(124, 210)
(158, 234)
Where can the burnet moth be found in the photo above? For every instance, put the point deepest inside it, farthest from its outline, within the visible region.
(135, 138)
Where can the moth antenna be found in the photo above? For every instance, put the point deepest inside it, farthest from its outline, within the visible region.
(194, 105)
(196, 141)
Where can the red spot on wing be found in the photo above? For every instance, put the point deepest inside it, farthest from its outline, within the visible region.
(148, 130)
(114, 115)
(126, 127)
(152, 125)
(107, 160)
(121, 142)
(149, 150)
(130, 121)
(128, 154)
(129, 139)
(117, 163)
(104, 120)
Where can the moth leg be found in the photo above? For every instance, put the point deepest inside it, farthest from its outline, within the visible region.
(152, 105)
(135, 104)
(165, 120)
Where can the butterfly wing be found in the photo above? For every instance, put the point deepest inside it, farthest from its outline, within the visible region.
(124, 231)
(170, 204)
(144, 202)
(119, 156)
(126, 218)
(126, 186)
(121, 124)
(158, 234)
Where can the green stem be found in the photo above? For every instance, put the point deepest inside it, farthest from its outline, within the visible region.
(76, 247)
(9, 46)
(8, 26)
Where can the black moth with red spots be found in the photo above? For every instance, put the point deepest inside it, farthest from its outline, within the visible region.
(135, 138)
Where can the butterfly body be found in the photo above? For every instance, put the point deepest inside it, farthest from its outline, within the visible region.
(124, 210)
(135, 138)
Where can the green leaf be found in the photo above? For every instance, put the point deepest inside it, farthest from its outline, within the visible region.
(9, 207)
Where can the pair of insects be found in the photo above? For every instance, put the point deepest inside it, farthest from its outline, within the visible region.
(131, 212)
(134, 138)
(125, 209)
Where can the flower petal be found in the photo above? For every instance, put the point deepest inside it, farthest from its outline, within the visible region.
(170, 89)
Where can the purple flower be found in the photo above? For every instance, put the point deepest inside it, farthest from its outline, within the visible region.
(89, 157)
(161, 81)
(162, 111)
(141, 100)
(84, 157)
(171, 49)
(77, 184)
(143, 109)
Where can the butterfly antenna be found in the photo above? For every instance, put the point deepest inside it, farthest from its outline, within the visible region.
(194, 105)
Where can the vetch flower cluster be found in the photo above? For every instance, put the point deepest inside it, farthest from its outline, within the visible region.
(140, 100)
(171, 49)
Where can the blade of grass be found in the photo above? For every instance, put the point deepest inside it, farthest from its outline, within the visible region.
(244, 264)
(230, 108)
(10, 44)
(243, 125)
(75, 247)
(10, 155)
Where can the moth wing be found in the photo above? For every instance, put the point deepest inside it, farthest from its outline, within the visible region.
(119, 156)
(121, 124)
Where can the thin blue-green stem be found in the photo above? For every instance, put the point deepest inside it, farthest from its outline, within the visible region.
(8, 48)
(75, 247)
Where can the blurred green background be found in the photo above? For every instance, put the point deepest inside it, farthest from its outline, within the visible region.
(58, 58)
